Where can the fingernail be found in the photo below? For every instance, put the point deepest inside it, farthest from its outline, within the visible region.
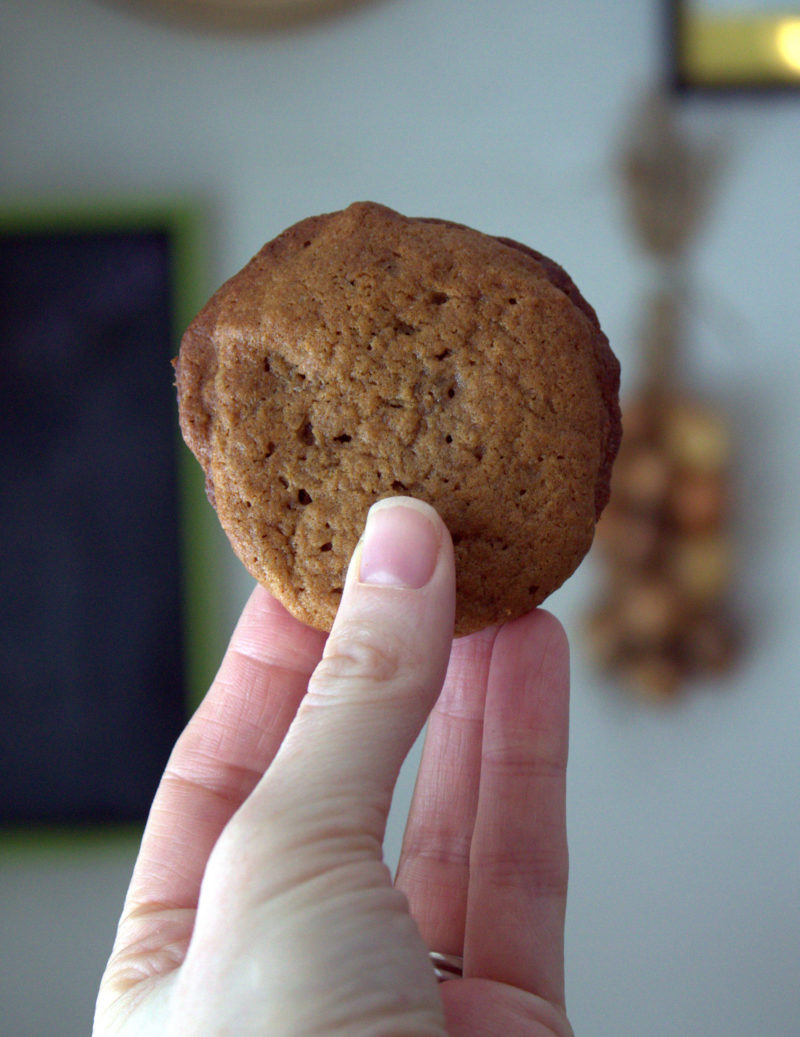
(401, 544)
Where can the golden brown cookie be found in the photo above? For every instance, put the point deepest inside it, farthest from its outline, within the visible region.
(363, 354)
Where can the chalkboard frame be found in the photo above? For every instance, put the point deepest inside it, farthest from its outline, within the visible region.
(183, 225)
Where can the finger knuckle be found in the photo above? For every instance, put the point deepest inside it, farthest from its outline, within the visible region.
(356, 653)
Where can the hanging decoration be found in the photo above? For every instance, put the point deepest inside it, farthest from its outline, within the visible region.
(663, 616)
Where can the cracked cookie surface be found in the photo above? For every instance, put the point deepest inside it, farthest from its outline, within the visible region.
(363, 354)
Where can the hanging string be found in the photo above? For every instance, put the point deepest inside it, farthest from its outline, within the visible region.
(662, 617)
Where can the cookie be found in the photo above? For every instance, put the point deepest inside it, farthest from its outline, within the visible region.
(363, 354)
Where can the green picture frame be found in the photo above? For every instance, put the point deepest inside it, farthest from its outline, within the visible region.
(180, 226)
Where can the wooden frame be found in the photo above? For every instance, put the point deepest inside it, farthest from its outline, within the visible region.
(240, 15)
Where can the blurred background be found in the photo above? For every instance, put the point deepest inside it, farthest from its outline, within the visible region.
(536, 121)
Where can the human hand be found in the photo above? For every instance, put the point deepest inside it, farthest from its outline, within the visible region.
(260, 903)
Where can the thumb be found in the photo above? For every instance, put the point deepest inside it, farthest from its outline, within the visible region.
(380, 674)
(297, 911)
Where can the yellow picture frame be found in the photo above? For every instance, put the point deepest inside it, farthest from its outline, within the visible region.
(739, 46)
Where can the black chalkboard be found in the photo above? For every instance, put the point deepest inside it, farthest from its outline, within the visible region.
(92, 669)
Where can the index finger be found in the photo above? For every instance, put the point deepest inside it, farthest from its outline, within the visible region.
(224, 750)
(433, 870)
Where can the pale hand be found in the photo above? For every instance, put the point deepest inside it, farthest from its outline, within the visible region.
(260, 903)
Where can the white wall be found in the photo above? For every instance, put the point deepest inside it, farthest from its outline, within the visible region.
(684, 911)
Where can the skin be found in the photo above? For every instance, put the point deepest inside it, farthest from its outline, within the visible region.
(260, 903)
